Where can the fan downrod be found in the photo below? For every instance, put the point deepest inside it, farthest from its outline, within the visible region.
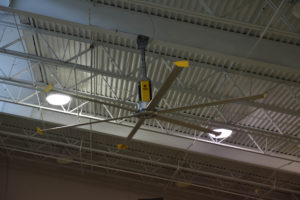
(145, 93)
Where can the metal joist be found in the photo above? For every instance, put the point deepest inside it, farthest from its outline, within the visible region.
(241, 59)
(58, 140)
(72, 66)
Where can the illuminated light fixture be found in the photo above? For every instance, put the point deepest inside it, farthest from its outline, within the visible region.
(296, 10)
(224, 133)
(58, 99)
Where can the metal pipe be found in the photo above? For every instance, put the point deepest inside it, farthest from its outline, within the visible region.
(143, 64)
(142, 42)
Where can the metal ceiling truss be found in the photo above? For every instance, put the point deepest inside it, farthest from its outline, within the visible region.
(97, 153)
(218, 64)
(173, 12)
(81, 150)
(259, 140)
(265, 137)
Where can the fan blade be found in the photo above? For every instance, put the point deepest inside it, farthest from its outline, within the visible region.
(41, 131)
(187, 125)
(101, 102)
(179, 65)
(134, 130)
(215, 103)
(79, 96)
(124, 145)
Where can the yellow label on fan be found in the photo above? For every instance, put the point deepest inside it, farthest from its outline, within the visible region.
(145, 90)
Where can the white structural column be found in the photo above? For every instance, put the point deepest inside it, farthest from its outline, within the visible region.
(215, 42)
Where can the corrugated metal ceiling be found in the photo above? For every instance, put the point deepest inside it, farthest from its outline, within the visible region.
(247, 17)
(273, 121)
(194, 85)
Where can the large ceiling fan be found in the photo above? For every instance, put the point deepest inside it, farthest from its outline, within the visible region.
(147, 105)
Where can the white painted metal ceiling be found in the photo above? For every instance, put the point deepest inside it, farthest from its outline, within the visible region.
(265, 132)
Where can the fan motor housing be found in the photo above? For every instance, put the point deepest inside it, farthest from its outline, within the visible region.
(145, 94)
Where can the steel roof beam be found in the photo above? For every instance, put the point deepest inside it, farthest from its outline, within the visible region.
(59, 63)
(268, 53)
(154, 54)
(117, 130)
(40, 87)
(239, 128)
(145, 160)
(224, 19)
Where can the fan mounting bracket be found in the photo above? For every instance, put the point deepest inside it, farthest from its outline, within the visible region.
(146, 114)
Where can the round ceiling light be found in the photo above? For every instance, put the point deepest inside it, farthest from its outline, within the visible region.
(224, 133)
(58, 99)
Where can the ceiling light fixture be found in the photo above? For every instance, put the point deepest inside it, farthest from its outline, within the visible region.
(224, 133)
(58, 99)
